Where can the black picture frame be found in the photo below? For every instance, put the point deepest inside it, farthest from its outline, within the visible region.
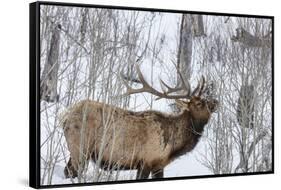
(34, 92)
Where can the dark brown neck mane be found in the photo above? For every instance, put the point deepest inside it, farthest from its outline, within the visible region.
(191, 135)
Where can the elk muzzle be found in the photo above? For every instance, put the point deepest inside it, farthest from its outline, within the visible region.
(212, 105)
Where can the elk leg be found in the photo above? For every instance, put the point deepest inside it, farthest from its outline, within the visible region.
(157, 173)
(70, 171)
(79, 155)
(143, 173)
(74, 168)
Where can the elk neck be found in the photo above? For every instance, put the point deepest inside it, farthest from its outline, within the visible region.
(193, 126)
(191, 131)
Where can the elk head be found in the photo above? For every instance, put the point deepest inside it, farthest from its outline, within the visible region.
(199, 108)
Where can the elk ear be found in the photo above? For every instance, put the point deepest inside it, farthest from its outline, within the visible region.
(182, 104)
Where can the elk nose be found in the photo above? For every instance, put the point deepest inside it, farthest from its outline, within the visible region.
(213, 105)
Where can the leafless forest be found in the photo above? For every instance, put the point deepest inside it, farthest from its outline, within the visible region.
(86, 53)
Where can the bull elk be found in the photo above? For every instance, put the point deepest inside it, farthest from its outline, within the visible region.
(118, 139)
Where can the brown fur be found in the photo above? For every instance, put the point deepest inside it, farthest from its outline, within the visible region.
(147, 141)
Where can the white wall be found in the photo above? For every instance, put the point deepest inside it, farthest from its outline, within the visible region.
(14, 92)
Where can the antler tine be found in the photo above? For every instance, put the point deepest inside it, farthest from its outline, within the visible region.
(185, 86)
(130, 90)
(170, 89)
(180, 86)
(199, 86)
(147, 88)
(202, 86)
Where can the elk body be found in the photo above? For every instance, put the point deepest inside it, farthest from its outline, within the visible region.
(147, 141)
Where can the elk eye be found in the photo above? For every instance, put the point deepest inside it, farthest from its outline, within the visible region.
(199, 104)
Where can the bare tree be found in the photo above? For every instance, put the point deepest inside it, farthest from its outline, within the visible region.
(102, 46)
(191, 26)
(243, 77)
(49, 76)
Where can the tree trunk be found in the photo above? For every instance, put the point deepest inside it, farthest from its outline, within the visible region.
(191, 26)
(50, 73)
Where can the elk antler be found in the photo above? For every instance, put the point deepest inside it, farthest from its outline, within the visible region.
(183, 86)
(199, 87)
(202, 89)
(180, 86)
